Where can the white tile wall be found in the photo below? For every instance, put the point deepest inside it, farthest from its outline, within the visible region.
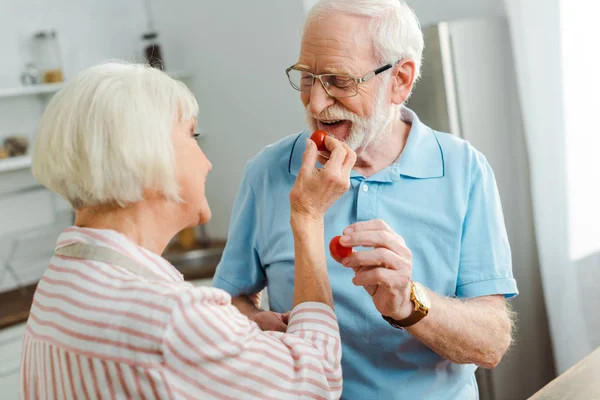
(26, 211)
(31, 223)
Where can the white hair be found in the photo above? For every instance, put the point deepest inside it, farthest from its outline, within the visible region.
(106, 136)
(394, 27)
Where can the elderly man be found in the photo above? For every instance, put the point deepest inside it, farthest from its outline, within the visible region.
(421, 302)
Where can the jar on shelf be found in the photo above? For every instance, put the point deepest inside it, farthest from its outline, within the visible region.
(30, 75)
(16, 145)
(47, 54)
(152, 51)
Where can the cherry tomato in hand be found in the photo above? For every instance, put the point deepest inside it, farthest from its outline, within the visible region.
(319, 138)
(337, 250)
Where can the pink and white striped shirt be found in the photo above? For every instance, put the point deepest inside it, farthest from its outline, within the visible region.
(98, 331)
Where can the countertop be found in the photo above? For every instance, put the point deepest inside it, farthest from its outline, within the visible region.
(580, 382)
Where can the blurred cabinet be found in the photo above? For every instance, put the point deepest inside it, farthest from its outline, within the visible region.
(10, 360)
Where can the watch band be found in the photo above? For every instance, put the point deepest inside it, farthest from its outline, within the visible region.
(419, 312)
(412, 319)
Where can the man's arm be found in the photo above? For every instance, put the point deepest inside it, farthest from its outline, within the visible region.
(266, 320)
(247, 305)
(240, 272)
(475, 331)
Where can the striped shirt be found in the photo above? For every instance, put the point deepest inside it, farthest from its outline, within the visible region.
(98, 331)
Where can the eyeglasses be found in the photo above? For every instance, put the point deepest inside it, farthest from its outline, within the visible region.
(336, 85)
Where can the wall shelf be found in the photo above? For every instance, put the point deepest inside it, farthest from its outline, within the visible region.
(24, 162)
(50, 88)
(15, 163)
(31, 90)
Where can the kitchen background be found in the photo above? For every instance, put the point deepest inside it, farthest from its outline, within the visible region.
(498, 73)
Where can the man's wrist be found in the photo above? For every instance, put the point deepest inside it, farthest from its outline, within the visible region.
(247, 305)
(408, 307)
(419, 303)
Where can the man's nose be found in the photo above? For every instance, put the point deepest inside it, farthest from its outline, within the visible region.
(319, 99)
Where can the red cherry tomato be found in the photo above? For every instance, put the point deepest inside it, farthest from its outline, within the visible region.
(319, 138)
(337, 250)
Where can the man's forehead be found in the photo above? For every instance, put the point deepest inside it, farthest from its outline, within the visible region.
(336, 45)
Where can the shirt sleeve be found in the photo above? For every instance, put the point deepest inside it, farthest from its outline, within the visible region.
(240, 272)
(485, 258)
(213, 350)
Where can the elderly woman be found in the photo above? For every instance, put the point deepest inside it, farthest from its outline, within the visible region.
(111, 318)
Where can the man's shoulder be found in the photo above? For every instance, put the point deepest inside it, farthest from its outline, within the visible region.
(273, 158)
(459, 152)
(452, 144)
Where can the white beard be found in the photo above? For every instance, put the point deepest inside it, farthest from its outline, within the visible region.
(365, 130)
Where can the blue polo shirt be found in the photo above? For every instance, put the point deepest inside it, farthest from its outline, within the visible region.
(440, 196)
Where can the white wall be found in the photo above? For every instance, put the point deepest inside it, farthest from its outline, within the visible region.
(580, 65)
(238, 51)
(582, 134)
(89, 32)
(433, 11)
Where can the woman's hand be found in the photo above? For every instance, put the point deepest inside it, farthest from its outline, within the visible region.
(316, 189)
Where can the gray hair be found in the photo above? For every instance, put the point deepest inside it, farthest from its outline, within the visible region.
(106, 136)
(394, 27)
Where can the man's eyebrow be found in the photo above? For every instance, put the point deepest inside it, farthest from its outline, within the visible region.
(301, 66)
(338, 70)
(328, 70)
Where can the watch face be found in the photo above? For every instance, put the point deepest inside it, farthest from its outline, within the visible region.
(422, 296)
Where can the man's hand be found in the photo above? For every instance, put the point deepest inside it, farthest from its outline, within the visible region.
(272, 321)
(464, 331)
(385, 270)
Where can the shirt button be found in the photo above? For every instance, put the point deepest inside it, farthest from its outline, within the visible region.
(365, 188)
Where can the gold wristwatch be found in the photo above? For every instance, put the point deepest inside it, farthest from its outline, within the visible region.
(420, 298)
